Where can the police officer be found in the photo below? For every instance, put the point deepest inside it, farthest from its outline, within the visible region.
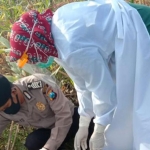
(31, 102)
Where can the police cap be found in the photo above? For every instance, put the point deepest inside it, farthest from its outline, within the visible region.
(5, 90)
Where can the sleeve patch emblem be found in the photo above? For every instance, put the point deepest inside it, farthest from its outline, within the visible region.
(51, 94)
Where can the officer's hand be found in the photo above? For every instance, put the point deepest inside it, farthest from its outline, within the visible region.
(97, 140)
(82, 134)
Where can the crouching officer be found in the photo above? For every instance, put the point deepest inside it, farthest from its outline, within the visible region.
(32, 102)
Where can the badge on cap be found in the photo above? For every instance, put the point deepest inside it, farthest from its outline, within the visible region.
(40, 106)
(34, 85)
(51, 94)
(27, 95)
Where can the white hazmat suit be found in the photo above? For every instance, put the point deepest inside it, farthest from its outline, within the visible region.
(104, 48)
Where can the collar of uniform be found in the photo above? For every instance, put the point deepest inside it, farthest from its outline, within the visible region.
(29, 97)
(28, 101)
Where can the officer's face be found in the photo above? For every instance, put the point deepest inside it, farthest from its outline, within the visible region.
(16, 93)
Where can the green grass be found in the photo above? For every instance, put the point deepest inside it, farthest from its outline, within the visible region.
(20, 139)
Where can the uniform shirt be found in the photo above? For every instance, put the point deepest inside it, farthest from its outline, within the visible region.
(41, 112)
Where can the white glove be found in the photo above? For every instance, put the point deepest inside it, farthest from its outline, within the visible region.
(43, 148)
(97, 140)
(82, 134)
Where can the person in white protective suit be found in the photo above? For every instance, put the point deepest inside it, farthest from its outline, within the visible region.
(104, 48)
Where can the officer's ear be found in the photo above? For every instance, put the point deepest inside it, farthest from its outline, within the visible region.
(14, 90)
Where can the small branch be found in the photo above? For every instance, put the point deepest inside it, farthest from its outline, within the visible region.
(17, 130)
(63, 73)
(10, 135)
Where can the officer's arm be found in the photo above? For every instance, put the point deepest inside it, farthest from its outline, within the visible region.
(84, 96)
(93, 69)
(3, 123)
(63, 119)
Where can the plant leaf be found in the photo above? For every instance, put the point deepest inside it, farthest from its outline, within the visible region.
(4, 41)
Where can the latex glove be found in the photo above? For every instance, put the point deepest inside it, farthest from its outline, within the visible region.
(97, 140)
(82, 134)
(43, 149)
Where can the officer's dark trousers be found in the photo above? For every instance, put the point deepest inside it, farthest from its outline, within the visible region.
(37, 139)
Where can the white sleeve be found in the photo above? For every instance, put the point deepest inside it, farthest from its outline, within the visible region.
(84, 96)
(93, 69)
(85, 100)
